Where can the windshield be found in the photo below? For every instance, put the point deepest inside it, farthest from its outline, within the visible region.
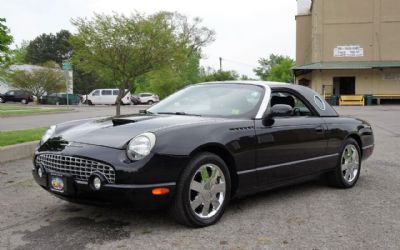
(224, 100)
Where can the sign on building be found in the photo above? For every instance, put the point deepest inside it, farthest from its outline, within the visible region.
(391, 76)
(348, 51)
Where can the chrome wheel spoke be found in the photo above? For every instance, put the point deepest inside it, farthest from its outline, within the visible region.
(196, 186)
(196, 202)
(215, 203)
(345, 166)
(206, 208)
(218, 188)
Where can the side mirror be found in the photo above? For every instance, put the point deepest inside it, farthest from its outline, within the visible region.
(281, 110)
(276, 111)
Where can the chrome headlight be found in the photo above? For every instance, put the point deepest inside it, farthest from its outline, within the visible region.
(48, 134)
(140, 146)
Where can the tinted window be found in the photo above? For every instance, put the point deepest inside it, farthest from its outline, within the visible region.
(10, 93)
(115, 92)
(299, 107)
(145, 95)
(106, 92)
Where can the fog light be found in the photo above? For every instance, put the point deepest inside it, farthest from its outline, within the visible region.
(96, 183)
(40, 172)
(160, 191)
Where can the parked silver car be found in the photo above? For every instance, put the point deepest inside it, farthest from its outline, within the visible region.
(148, 98)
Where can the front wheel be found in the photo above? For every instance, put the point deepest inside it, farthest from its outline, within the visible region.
(203, 191)
(24, 101)
(348, 167)
(2, 100)
(150, 102)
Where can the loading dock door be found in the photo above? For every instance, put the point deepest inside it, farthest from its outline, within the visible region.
(344, 85)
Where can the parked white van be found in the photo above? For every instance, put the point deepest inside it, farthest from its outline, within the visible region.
(106, 96)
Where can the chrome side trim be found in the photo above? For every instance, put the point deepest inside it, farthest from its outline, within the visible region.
(264, 103)
(369, 146)
(287, 163)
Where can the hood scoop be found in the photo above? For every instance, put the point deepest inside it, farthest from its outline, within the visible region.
(122, 121)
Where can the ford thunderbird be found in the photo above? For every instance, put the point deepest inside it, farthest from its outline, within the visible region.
(202, 146)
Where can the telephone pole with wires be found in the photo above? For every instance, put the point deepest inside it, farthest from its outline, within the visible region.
(220, 64)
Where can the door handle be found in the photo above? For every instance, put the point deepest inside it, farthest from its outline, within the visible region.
(319, 129)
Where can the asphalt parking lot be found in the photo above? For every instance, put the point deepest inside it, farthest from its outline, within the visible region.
(305, 216)
(79, 112)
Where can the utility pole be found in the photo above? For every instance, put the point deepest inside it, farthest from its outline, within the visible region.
(220, 64)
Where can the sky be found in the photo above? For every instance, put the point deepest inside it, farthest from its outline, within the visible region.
(245, 30)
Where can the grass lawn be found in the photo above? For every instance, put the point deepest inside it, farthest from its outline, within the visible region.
(20, 136)
(8, 110)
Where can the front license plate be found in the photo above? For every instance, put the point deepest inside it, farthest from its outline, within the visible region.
(57, 184)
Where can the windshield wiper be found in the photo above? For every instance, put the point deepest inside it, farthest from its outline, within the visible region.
(176, 113)
(145, 112)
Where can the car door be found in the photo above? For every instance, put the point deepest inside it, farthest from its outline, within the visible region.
(94, 97)
(10, 96)
(107, 97)
(290, 147)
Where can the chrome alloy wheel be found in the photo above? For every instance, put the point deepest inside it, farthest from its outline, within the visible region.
(207, 191)
(350, 163)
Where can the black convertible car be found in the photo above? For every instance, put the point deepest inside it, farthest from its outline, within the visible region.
(202, 146)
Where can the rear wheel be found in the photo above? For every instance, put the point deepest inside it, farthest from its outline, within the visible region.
(203, 191)
(348, 168)
(150, 102)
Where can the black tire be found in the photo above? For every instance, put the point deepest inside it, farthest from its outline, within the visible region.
(150, 102)
(181, 210)
(337, 178)
(2, 100)
(89, 102)
(24, 101)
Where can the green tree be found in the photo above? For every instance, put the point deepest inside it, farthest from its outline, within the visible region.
(211, 75)
(47, 78)
(275, 68)
(49, 47)
(18, 54)
(5, 40)
(124, 49)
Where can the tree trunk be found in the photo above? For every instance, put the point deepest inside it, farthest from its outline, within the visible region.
(118, 107)
(121, 94)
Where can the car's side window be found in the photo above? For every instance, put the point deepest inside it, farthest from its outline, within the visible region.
(115, 92)
(106, 92)
(96, 93)
(299, 107)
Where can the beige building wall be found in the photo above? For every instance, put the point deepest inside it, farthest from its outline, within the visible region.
(303, 40)
(378, 82)
(373, 25)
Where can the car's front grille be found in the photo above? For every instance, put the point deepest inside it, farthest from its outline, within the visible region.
(79, 168)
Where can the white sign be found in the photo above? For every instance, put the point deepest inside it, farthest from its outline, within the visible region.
(348, 51)
(391, 76)
(69, 81)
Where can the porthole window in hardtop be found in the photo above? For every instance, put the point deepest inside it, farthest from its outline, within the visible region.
(319, 102)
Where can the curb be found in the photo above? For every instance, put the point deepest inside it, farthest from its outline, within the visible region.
(18, 151)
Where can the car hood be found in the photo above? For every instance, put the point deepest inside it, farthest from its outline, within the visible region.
(116, 132)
